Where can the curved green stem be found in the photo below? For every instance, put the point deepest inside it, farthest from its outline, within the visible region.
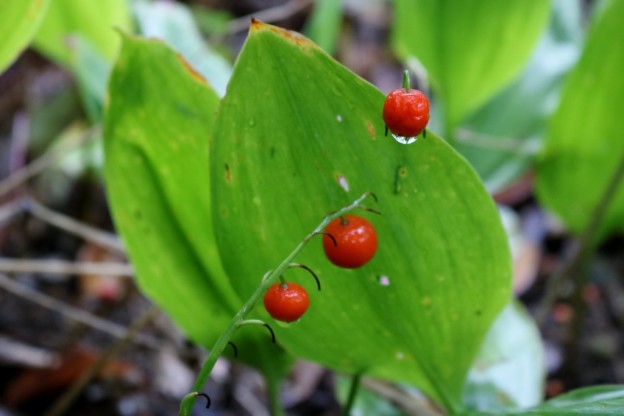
(189, 400)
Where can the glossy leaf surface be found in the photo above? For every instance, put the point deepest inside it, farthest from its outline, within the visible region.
(298, 135)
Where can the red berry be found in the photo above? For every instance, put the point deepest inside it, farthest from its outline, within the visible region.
(406, 112)
(356, 241)
(286, 302)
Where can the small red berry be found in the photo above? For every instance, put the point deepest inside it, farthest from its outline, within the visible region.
(286, 302)
(356, 241)
(406, 112)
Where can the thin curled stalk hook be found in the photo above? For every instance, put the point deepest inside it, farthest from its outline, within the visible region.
(323, 233)
(205, 396)
(257, 322)
(303, 266)
(231, 344)
(271, 331)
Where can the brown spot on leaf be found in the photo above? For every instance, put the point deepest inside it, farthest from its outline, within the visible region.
(228, 173)
(371, 129)
(191, 70)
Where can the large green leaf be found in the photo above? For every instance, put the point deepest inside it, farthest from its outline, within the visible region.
(19, 20)
(298, 135)
(157, 122)
(94, 21)
(470, 48)
(585, 142)
(604, 400)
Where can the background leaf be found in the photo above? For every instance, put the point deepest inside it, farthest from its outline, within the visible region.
(502, 138)
(596, 400)
(298, 135)
(94, 21)
(470, 48)
(323, 26)
(157, 124)
(19, 20)
(174, 23)
(585, 141)
(509, 371)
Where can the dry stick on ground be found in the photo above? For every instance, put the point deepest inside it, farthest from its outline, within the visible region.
(65, 401)
(582, 250)
(65, 267)
(76, 314)
(87, 232)
(272, 14)
(44, 161)
(408, 403)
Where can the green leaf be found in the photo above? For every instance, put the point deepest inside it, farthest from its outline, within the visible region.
(157, 122)
(470, 48)
(509, 372)
(585, 142)
(19, 20)
(94, 21)
(298, 135)
(323, 27)
(91, 70)
(502, 138)
(596, 400)
(174, 23)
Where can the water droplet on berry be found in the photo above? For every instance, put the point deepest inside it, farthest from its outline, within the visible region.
(286, 324)
(404, 140)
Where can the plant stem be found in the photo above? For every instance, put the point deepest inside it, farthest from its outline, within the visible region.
(582, 251)
(274, 397)
(353, 391)
(406, 80)
(189, 400)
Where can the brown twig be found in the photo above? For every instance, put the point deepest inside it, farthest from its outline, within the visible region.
(71, 312)
(65, 267)
(87, 232)
(272, 14)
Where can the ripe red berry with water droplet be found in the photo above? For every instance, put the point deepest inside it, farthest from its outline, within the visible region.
(356, 241)
(406, 112)
(286, 302)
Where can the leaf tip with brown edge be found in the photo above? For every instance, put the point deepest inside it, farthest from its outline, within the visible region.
(192, 71)
(293, 37)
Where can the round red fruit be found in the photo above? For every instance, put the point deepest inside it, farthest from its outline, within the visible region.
(356, 241)
(406, 112)
(286, 302)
